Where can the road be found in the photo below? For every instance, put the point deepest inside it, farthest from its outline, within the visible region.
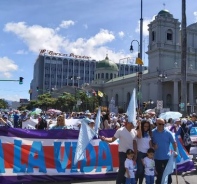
(184, 178)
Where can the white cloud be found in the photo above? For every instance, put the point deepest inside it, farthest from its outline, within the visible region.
(7, 66)
(21, 52)
(195, 14)
(37, 37)
(66, 23)
(145, 26)
(121, 34)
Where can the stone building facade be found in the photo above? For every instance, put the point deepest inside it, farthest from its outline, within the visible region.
(162, 81)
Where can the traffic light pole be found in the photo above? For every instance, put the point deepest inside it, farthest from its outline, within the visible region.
(9, 80)
(20, 80)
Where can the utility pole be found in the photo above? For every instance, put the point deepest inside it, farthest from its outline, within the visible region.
(184, 60)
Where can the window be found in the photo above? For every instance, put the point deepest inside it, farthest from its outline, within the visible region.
(153, 36)
(169, 34)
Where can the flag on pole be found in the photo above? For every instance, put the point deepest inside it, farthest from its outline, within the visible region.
(139, 61)
(131, 110)
(86, 134)
(98, 120)
(168, 169)
(100, 94)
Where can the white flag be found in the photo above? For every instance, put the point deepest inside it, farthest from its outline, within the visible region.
(86, 134)
(131, 110)
(98, 120)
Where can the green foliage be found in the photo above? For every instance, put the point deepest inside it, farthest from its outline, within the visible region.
(65, 102)
(3, 104)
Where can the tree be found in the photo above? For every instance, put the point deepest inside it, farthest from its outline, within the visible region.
(3, 104)
(65, 102)
(183, 58)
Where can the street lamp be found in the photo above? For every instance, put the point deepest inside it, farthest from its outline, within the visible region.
(139, 76)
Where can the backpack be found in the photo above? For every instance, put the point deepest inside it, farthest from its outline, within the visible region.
(186, 138)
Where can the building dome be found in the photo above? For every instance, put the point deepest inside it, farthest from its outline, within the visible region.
(107, 64)
(165, 13)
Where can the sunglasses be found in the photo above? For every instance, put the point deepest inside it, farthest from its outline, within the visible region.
(161, 124)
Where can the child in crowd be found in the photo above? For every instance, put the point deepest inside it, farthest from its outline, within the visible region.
(149, 165)
(130, 167)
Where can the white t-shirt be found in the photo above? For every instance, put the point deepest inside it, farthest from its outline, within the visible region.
(130, 166)
(149, 166)
(143, 144)
(125, 139)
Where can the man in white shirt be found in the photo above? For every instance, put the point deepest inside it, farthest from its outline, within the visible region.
(126, 136)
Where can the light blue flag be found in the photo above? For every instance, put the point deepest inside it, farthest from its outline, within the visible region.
(168, 169)
(86, 134)
(98, 121)
(131, 110)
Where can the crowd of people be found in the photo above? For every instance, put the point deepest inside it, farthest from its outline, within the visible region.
(143, 149)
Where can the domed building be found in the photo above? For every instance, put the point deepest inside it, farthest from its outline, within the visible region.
(165, 13)
(105, 71)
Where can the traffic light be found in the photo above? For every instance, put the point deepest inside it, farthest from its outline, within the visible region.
(21, 80)
(37, 89)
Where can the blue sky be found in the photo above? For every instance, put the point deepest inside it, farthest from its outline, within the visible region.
(83, 27)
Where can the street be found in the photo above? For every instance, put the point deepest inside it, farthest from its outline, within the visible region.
(184, 178)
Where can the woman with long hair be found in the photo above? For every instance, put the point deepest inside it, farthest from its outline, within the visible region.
(144, 134)
(61, 124)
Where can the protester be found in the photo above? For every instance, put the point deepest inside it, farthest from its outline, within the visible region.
(90, 122)
(42, 124)
(60, 123)
(5, 122)
(161, 138)
(126, 136)
(184, 132)
(144, 134)
(15, 119)
(106, 121)
(23, 117)
(149, 165)
(130, 167)
(193, 120)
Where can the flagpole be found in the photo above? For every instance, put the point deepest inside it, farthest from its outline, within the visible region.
(176, 176)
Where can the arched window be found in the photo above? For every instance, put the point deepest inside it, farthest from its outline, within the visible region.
(102, 76)
(169, 35)
(116, 100)
(111, 75)
(98, 75)
(107, 76)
